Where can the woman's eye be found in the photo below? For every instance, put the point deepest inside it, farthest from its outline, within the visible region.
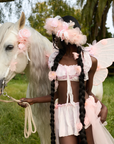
(9, 47)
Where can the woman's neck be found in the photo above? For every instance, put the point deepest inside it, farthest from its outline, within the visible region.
(70, 49)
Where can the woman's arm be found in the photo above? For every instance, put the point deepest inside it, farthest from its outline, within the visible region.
(91, 73)
(31, 101)
(89, 84)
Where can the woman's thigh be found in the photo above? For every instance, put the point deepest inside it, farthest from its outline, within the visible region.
(89, 135)
(68, 140)
(76, 140)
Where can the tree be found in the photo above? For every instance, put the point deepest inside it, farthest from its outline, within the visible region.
(52, 8)
(94, 13)
(13, 8)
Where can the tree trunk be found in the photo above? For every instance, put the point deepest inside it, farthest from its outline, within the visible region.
(98, 29)
(102, 31)
(93, 26)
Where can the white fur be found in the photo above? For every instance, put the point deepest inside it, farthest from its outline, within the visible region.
(36, 70)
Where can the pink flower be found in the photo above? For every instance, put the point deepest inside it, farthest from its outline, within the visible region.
(56, 106)
(54, 22)
(22, 40)
(61, 34)
(71, 25)
(78, 70)
(79, 126)
(52, 75)
(21, 46)
(65, 26)
(24, 33)
(65, 31)
(13, 66)
(76, 55)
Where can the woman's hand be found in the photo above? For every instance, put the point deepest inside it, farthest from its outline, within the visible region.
(28, 100)
(103, 113)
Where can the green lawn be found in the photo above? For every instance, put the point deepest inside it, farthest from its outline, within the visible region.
(12, 115)
(108, 100)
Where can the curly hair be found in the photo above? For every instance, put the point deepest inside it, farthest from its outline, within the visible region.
(81, 86)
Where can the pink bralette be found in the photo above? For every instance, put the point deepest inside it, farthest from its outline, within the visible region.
(72, 71)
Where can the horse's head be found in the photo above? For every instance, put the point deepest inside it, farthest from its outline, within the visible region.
(13, 50)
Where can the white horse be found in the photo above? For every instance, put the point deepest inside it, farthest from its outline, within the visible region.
(36, 69)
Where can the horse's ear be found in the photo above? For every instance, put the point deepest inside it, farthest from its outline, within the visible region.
(21, 22)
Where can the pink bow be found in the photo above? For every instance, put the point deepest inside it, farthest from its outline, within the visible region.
(76, 55)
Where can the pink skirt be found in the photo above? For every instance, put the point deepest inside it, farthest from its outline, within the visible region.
(67, 121)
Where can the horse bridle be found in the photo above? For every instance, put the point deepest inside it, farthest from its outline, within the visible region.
(2, 85)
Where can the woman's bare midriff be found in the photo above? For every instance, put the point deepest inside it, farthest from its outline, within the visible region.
(62, 91)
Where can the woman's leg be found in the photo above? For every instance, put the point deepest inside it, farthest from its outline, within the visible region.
(74, 140)
(68, 140)
(89, 135)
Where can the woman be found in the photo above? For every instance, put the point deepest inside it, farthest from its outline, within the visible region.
(77, 115)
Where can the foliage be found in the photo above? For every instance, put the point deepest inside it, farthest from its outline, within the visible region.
(93, 20)
(94, 14)
(108, 100)
(8, 9)
(13, 9)
(108, 34)
(12, 115)
(52, 8)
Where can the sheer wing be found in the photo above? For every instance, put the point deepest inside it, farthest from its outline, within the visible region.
(100, 76)
(103, 51)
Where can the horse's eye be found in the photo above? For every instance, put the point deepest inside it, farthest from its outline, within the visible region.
(9, 47)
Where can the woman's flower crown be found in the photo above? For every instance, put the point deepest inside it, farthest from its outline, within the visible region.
(65, 31)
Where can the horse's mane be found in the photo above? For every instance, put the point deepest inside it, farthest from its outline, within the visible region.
(38, 68)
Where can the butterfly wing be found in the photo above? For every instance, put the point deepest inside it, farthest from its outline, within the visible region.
(103, 51)
(99, 76)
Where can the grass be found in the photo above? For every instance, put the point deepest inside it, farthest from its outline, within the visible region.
(108, 100)
(12, 116)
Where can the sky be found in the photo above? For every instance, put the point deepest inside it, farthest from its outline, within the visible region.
(109, 21)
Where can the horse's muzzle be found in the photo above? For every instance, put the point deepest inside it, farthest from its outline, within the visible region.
(2, 85)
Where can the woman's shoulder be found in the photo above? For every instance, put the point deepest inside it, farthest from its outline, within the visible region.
(94, 61)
